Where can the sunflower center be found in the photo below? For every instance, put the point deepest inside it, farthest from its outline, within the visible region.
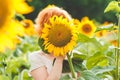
(59, 35)
(27, 25)
(86, 28)
(101, 34)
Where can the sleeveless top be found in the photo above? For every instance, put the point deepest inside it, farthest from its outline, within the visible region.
(36, 60)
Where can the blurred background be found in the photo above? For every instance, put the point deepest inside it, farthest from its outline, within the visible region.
(18, 38)
(94, 9)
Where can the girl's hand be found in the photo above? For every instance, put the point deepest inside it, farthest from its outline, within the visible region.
(60, 58)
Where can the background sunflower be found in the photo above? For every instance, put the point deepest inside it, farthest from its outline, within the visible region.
(87, 27)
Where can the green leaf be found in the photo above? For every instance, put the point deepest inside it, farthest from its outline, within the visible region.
(24, 75)
(97, 44)
(40, 43)
(82, 38)
(18, 64)
(80, 78)
(77, 63)
(107, 27)
(98, 59)
(3, 77)
(66, 77)
(15, 78)
(66, 67)
(88, 75)
(112, 6)
(101, 70)
(79, 56)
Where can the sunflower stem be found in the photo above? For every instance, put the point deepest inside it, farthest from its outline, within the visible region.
(71, 65)
(118, 49)
(21, 16)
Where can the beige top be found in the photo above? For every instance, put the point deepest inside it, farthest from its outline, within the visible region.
(37, 59)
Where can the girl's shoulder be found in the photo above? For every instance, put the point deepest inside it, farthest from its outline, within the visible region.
(35, 55)
(36, 60)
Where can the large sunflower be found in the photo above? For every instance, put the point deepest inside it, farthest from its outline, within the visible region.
(9, 35)
(87, 27)
(22, 7)
(9, 7)
(10, 28)
(6, 12)
(59, 36)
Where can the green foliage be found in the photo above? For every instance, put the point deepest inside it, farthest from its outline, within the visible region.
(100, 70)
(98, 59)
(113, 6)
(88, 75)
(77, 60)
(66, 77)
(40, 43)
(77, 8)
(94, 58)
(108, 27)
(3, 77)
(14, 64)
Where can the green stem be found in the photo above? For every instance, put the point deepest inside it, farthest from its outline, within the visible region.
(117, 57)
(71, 65)
(21, 16)
(10, 76)
(19, 76)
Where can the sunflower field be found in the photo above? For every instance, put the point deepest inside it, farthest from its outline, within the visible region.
(90, 41)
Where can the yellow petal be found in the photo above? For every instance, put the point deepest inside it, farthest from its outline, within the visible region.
(22, 7)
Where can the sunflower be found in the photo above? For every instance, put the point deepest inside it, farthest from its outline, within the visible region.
(59, 36)
(22, 7)
(114, 43)
(76, 22)
(101, 33)
(10, 28)
(9, 35)
(50, 5)
(9, 7)
(28, 26)
(6, 12)
(5, 42)
(87, 27)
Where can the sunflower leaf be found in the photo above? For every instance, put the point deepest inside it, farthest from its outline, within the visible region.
(108, 27)
(82, 38)
(100, 70)
(40, 43)
(88, 75)
(77, 63)
(97, 44)
(66, 67)
(79, 56)
(4, 77)
(112, 6)
(98, 59)
(66, 77)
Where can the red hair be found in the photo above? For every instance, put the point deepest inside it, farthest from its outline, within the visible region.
(46, 14)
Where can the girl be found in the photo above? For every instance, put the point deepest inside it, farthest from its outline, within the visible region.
(46, 66)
